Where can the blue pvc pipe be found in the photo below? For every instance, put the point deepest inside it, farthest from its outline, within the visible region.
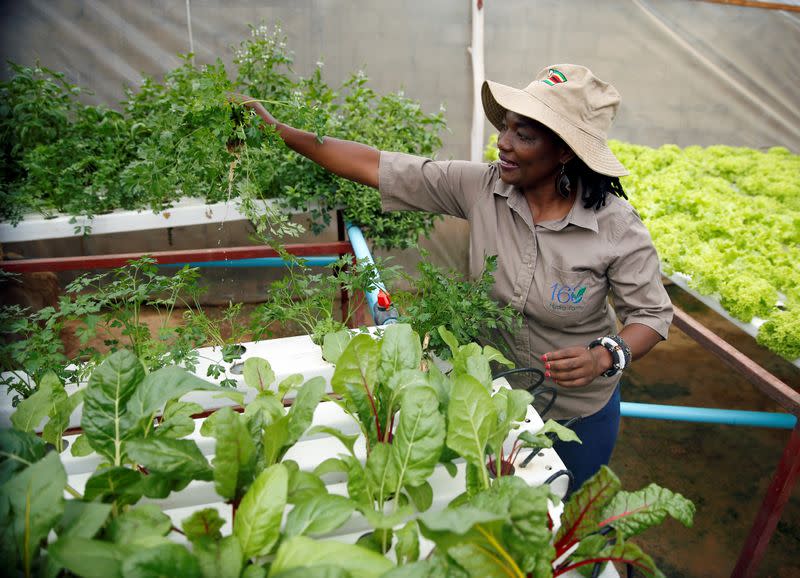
(708, 415)
(259, 262)
(361, 251)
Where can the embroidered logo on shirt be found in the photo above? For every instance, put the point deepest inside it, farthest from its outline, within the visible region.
(554, 76)
(566, 297)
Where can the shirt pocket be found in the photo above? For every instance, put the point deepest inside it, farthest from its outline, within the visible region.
(568, 294)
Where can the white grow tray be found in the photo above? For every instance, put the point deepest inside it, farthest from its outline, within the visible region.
(187, 211)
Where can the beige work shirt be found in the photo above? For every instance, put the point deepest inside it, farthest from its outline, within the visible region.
(557, 273)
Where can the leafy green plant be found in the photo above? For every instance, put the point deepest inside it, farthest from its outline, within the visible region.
(381, 385)
(209, 330)
(180, 137)
(444, 298)
(31, 349)
(480, 420)
(137, 425)
(506, 529)
(307, 299)
(114, 301)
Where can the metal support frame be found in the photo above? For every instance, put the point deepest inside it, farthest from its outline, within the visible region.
(788, 470)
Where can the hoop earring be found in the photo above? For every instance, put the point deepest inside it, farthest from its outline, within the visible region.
(563, 186)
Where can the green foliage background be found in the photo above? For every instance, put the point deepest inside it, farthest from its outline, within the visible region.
(178, 137)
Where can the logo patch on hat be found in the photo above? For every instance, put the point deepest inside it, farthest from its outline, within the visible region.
(554, 76)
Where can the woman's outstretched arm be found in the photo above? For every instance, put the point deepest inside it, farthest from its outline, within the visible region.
(348, 159)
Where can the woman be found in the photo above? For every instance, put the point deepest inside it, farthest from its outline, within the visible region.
(552, 210)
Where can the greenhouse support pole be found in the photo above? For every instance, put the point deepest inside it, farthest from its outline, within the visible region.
(189, 28)
(478, 74)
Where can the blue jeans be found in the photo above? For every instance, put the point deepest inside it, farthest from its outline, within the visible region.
(598, 432)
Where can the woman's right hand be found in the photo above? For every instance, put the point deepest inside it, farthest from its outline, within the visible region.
(253, 104)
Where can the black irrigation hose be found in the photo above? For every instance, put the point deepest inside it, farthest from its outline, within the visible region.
(535, 389)
(558, 474)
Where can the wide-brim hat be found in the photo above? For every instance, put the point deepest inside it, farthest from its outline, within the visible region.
(569, 100)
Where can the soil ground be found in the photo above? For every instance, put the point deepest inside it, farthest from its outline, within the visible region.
(724, 470)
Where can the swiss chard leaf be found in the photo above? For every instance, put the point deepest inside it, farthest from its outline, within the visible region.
(86, 557)
(302, 552)
(620, 552)
(32, 502)
(355, 379)
(258, 520)
(302, 411)
(177, 420)
(584, 511)
(170, 457)
(333, 344)
(32, 410)
(156, 389)
(511, 406)
(407, 549)
(419, 438)
(318, 514)
(631, 513)
(110, 388)
(234, 461)
(167, 559)
(480, 560)
(203, 524)
(258, 373)
(139, 525)
(540, 439)
(118, 484)
(471, 417)
(348, 441)
(17, 451)
(400, 349)
(382, 475)
(219, 558)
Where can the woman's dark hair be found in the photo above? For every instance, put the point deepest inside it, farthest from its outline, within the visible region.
(595, 186)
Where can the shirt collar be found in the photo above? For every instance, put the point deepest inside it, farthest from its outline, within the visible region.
(578, 215)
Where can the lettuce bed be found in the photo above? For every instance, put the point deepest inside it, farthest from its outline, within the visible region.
(729, 219)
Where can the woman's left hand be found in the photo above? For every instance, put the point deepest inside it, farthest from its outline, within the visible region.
(576, 366)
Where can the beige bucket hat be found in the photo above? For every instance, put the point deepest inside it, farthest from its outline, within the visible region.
(570, 101)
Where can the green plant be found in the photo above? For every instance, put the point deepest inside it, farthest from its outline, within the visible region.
(136, 424)
(180, 137)
(444, 298)
(506, 530)
(209, 330)
(380, 381)
(307, 298)
(113, 302)
(31, 349)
